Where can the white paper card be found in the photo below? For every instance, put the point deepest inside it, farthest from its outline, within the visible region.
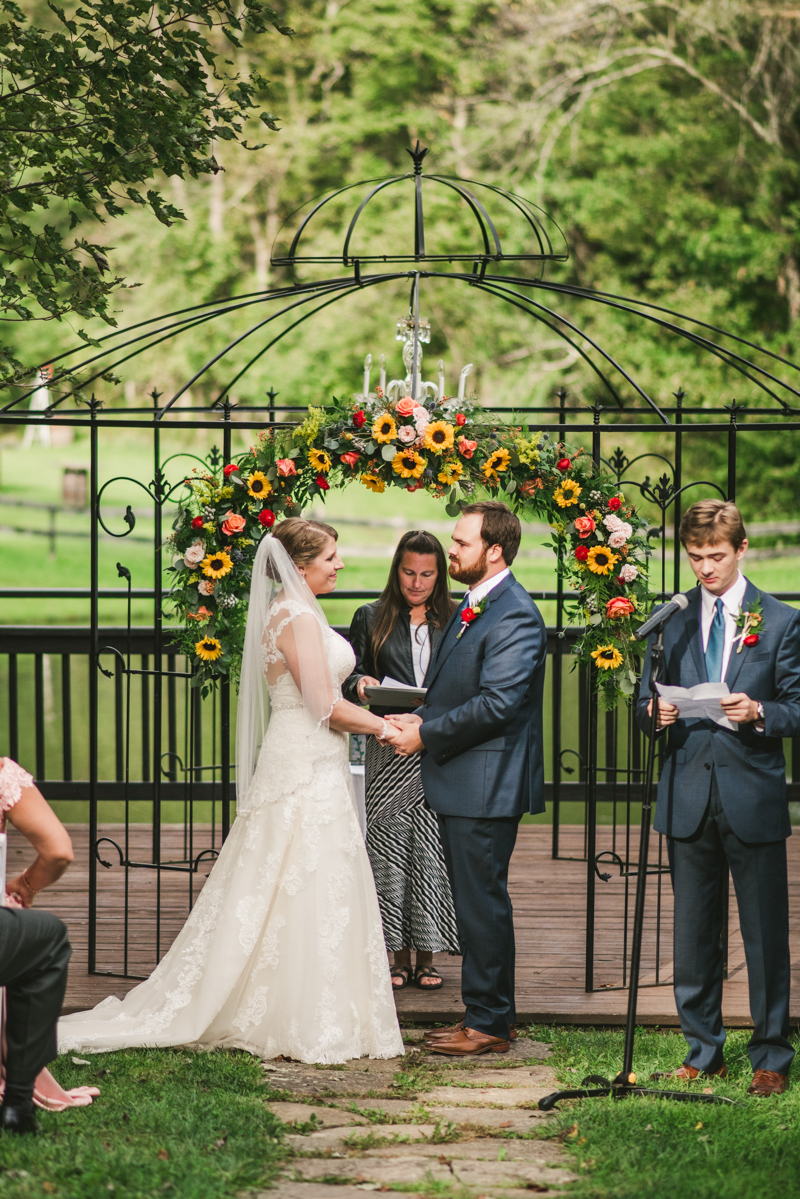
(389, 682)
(700, 702)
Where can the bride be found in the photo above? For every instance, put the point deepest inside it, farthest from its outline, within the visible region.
(283, 952)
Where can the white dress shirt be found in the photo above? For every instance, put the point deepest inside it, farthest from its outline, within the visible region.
(481, 590)
(731, 606)
(420, 651)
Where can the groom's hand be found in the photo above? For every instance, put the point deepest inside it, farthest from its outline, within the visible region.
(408, 741)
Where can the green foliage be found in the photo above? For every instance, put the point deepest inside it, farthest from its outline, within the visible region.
(90, 112)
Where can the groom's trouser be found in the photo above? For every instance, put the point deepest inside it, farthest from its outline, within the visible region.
(699, 877)
(477, 852)
(34, 956)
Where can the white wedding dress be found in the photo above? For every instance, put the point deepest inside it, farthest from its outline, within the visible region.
(283, 952)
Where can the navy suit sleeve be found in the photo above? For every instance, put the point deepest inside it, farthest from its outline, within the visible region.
(782, 714)
(515, 649)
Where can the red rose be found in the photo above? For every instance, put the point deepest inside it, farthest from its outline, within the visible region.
(351, 458)
(230, 469)
(415, 487)
(359, 420)
(266, 518)
(584, 525)
(197, 523)
(618, 607)
(563, 464)
(752, 639)
(322, 483)
(581, 552)
(615, 503)
(468, 615)
(460, 419)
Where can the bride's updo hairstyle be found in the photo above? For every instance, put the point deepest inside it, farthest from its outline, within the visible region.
(303, 540)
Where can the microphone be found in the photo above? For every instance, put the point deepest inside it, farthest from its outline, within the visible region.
(678, 604)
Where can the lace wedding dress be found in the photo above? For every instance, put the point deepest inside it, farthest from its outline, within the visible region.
(283, 952)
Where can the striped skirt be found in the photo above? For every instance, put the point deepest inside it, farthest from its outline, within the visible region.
(406, 854)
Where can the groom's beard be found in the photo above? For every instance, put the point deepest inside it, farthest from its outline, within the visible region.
(470, 575)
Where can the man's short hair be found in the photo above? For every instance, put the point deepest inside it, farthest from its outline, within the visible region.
(500, 526)
(708, 522)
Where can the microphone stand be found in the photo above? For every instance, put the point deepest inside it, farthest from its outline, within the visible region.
(595, 1085)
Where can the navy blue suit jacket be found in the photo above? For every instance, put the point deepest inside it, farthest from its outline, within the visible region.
(482, 717)
(750, 767)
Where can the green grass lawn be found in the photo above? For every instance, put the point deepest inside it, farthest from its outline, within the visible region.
(627, 1149)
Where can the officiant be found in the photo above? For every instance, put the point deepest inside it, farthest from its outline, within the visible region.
(394, 637)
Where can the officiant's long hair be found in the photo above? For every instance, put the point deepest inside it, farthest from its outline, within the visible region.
(392, 602)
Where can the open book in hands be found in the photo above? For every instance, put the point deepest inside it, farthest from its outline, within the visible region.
(398, 696)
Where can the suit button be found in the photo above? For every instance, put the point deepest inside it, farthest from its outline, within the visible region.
(707, 765)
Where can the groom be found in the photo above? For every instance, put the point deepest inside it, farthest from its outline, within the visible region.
(480, 736)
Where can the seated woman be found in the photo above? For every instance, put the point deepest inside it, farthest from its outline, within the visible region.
(395, 636)
(24, 806)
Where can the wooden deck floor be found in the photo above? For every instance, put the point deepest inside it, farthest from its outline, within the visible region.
(549, 906)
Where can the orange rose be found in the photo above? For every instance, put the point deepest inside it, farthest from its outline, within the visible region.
(467, 448)
(405, 406)
(286, 467)
(584, 525)
(351, 458)
(618, 607)
(530, 486)
(233, 525)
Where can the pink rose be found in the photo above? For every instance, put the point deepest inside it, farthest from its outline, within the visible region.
(421, 419)
(233, 524)
(406, 434)
(628, 573)
(612, 522)
(405, 406)
(466, 448)
(584, 525)
(195, 554)
(286, 467)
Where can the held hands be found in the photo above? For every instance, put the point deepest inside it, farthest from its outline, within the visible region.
(406, 740)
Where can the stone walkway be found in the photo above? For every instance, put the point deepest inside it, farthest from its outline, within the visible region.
(422, 1121)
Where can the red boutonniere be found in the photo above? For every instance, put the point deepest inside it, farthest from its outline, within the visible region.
(748, 621)
(470, 614)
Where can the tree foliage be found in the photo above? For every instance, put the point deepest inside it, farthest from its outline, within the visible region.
(90, 112)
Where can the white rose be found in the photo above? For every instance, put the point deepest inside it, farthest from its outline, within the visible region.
(195, 554)
(406, 434)
(617, 540)
(629, 573)
(421, 419)
(612, 522)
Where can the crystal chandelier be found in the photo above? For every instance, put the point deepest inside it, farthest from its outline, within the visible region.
(414, 334)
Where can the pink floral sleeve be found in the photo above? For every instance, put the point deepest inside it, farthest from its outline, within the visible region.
(12, 781)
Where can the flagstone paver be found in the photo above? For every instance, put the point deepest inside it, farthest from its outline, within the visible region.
(463, 1135)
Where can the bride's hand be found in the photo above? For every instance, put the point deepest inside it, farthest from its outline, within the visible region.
(390, 734)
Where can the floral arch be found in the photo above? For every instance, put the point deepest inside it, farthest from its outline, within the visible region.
(446, 446)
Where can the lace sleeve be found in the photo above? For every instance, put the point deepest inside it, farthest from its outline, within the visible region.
(13, 780)
(270, 654)
(294, 635)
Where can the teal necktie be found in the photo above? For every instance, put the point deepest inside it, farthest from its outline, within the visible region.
(716, 645)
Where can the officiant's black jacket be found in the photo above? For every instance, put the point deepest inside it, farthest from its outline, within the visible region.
(749, 766)
(482, 716)
(394, 658)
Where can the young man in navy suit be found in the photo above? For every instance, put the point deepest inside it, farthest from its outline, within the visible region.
(722, 795)
(480, 736)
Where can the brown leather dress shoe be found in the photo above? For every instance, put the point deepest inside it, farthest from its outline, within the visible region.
(469, 1043)
(690, 1073)
(445, 1034)
(768, 1082)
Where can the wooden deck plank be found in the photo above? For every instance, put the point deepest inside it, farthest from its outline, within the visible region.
(550, 921)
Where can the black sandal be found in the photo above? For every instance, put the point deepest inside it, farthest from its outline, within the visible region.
(427, 972)
(403, 972)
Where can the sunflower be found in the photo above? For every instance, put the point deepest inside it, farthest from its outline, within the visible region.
(319, 460)
(451, 472)
(567, 493)
(214, 566)
(496, 461)
(373, 483)
(408, 464)
(601, 560)
(439, 436)
(384, 429)
(209, 649)
(257, 485)
(607, 657)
